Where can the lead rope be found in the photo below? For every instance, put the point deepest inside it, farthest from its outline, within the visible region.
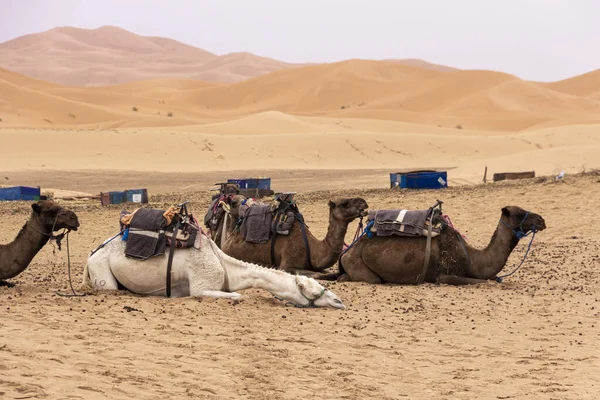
(499, 279)
(75, 294)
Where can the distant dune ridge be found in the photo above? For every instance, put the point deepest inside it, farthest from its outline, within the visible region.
(349, 114)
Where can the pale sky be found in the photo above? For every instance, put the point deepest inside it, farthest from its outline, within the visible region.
(533, 39)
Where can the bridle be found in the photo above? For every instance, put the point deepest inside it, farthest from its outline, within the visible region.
(520, 235)
(521, 232)
(311, 302)
(51, 236)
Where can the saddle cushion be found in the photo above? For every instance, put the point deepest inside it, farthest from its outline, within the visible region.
(256, 225)
(402, 222)
(146, 236)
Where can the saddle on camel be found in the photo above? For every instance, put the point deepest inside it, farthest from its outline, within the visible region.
(260, 222)
(149, 232)
(220, 205)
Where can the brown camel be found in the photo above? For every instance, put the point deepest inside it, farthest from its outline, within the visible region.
(46, 217)
(290, 250)
(400, 259)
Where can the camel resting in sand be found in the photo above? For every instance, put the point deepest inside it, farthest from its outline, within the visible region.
(290, 252)
(203, 270)
(46, 218)
(400, 259)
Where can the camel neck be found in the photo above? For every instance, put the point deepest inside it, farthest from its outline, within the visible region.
(487, 263)
(243, 275)
(16, 256)
(326, 252)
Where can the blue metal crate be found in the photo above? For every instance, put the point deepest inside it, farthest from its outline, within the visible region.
(252, 183)
(419, 180)
(136, 195)
(20, 193)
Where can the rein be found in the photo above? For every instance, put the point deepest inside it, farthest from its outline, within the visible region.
(520, 235)
(58, 239)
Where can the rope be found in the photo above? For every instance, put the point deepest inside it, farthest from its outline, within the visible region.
(499, 279)
(75, 294)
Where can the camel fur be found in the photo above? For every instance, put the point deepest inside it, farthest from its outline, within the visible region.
(400, 259)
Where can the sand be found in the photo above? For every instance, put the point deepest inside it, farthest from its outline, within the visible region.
(534, 336)
(175, 119)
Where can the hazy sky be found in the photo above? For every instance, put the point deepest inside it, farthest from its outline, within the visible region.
(534, 39)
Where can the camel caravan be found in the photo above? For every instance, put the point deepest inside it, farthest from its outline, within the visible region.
(253, 244)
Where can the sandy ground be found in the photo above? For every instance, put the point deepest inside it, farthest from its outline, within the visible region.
(534, 336)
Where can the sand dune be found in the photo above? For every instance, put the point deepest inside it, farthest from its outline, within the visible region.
(110, 55)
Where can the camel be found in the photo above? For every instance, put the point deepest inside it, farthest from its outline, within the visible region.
(290, 251)
(46, 218)
(202, 270)
(400, 259)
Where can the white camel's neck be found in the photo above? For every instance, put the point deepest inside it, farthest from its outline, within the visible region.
(243, 275)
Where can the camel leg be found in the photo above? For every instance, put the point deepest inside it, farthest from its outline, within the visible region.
(217, 294)
(7, 284)
(458, 280)
(100, 275)
(358, 271)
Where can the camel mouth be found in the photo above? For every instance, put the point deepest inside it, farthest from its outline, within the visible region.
(339, 306)
(363, 213)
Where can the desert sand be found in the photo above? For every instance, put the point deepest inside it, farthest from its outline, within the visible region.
(88, 111)
(534, 336)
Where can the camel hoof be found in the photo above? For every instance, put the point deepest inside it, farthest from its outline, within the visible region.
(7, 284)
(344, 278)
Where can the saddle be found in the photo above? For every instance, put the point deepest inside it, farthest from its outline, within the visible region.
(402, 222)
(259, 222)
(149, 232)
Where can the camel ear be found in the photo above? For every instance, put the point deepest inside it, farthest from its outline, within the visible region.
(505, 212)
(331, 204)
(36, 207)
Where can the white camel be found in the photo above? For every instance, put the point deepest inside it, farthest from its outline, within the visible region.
(203, 270)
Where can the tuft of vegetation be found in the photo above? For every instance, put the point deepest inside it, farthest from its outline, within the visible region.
(459, 126)
(0, 119)
(134, 108)
(72, 115)
(170, 114)
(48, 121)
(343, 107)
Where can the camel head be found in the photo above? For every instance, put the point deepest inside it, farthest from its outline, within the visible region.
(522, 221)
(312, 293)
(348, 209)
(238, 204)
(52, 217)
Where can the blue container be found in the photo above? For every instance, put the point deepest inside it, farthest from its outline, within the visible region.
(252, 183)
(117, 197)
(419, 180)
(136, 195)
(20, 193)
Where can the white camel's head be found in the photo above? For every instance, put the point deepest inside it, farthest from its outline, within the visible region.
(312, 293)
